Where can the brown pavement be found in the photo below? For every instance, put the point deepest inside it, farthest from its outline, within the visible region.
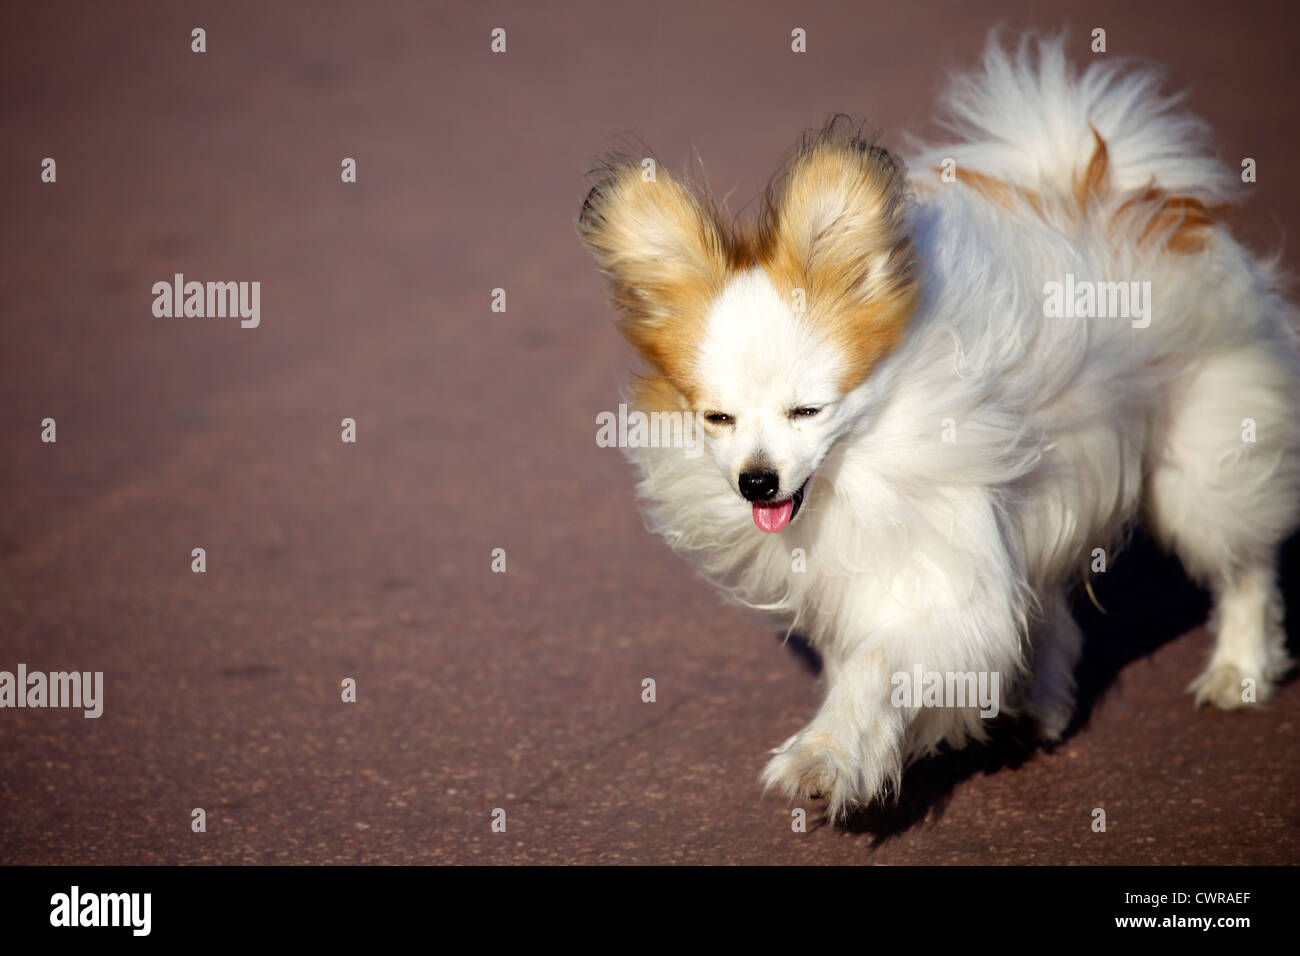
(326, 560)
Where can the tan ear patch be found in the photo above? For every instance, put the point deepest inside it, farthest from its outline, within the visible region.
(665, 256)
(836, 226)
(655, 393)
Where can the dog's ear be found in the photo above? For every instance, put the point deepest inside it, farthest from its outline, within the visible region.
(836, 225)
(664, 255)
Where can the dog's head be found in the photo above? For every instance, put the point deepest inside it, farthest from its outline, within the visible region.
(762, 332)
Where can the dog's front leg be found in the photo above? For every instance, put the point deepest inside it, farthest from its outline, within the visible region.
(851, 753)
(954, 604)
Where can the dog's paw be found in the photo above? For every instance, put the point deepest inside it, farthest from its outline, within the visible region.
(817, 764)
(802, 767)
(1226, 686)
(1051, 717)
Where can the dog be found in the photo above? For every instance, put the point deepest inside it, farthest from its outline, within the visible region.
(934, 393)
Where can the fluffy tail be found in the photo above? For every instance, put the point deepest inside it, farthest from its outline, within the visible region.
(1028, 119)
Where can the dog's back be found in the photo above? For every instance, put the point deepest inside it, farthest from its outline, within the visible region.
(1135, 326)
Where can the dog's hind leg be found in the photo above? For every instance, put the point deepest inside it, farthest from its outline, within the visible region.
(1223, 490)
(1249, 654)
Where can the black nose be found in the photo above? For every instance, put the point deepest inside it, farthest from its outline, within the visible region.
(759, 485)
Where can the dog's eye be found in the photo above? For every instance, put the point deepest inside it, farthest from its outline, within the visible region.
(719, 418)
(804, 411)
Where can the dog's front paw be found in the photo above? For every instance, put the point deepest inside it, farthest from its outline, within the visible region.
(818, 764)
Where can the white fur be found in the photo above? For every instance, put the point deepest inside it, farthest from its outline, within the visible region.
(958, 555)
(759, 356)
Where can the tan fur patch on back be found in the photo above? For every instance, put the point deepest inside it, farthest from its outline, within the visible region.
(997, 190)
(1180, 223)
(1094, 184)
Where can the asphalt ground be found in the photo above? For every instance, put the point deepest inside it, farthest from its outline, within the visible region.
(475, 431)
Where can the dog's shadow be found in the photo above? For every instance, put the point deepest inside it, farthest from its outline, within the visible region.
(1148, 602)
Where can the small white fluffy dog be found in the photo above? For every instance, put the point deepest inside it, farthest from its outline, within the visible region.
(948, 384)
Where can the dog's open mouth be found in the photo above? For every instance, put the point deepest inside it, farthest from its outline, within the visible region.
(772, 516)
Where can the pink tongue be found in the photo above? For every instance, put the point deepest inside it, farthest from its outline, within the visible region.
(771, 518)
